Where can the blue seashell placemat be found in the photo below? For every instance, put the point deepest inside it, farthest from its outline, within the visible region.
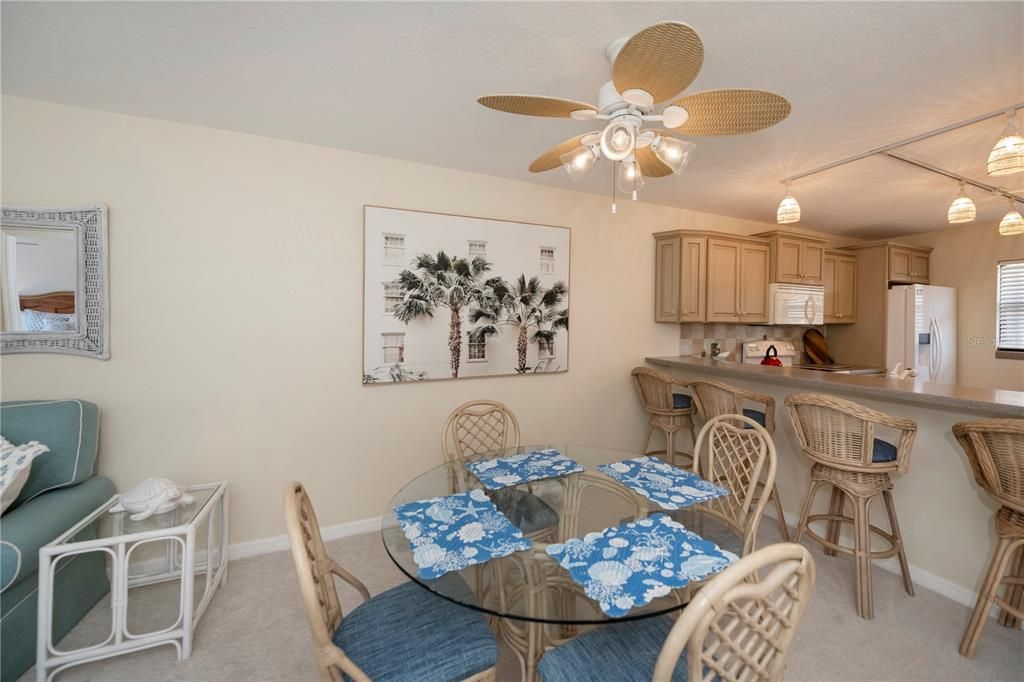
(504, 472)
(634, 563)
(668, 486)
(453, 532)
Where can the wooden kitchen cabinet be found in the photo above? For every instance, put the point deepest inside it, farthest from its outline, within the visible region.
(680, 278)
(908, 265)
(840, 277)
(795, 259)
(710, 277)
(723, 280)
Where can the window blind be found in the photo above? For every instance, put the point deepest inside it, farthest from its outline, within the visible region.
(1010, 306)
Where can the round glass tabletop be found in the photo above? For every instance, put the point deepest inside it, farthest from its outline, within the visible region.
(528, 584)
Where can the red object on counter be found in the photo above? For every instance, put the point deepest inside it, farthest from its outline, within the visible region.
(771, 357)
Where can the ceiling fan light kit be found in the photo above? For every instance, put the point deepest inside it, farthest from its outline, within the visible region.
(651, 68)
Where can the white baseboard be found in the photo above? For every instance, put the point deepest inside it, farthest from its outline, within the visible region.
(921, 578)
(279, 543)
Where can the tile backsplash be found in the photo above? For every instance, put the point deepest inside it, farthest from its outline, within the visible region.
(696, 337)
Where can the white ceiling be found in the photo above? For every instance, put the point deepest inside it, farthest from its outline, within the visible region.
(401, 80)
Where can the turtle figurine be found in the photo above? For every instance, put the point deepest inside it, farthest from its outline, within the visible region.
(152, 496)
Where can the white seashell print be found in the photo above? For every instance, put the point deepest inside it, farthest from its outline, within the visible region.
(469, 552)
(507, 479)
(656, 589)
(428, 555)
(612, 573)
(471, 532)
(649, 553)
(439, 513)
(413, 531)
(619, 542)
(478, 495)
(620, 467)
(485, 465)
(700, 565)
(624, 602)
(609, 552)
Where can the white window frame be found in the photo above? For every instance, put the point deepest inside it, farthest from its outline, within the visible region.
(385, 346)
(394, 255)
(1010, 308)
(389, 308)
(471, 243)
(547, 264)
(470, 344)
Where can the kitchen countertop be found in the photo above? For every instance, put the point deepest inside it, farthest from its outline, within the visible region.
(993, 401)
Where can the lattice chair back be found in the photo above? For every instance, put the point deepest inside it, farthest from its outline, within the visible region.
(736, 453)
(576, 488)
(841, 434)
(478, 427)
(995, 449)
(714, 398)
(316, 571)
(655, 389)
(741, 624)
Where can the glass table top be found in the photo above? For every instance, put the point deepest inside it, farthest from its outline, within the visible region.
(572, 506)
(105, 524)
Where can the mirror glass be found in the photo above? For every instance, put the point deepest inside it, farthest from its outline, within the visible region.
(39, 280)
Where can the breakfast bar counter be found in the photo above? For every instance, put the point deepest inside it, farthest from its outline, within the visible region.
(991, 402)
(945, 517)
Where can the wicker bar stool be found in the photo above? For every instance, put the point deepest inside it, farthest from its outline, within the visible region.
(715, 398)
(839, 437)
(995, 449)
(667, 411)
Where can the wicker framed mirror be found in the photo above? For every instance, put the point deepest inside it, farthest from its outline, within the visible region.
(53, 281)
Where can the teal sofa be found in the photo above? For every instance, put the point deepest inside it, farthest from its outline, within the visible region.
(61, 490)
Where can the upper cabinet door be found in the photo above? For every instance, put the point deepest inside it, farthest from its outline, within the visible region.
(693, 279)
(829, 268)
(723, 281)
(846, 289)
(919, 266)
(753, 283)
(787, 261)
(899, 265)
(811, 263)
(667, 278)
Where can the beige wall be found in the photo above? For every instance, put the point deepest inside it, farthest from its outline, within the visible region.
(965, 258)
(235, 269)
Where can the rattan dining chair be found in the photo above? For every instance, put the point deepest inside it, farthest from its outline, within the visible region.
(995, 449)
(542, 577)
(715, 398)
(838, 436)
(405, 633)
(668, 411)
(482, 428)
(738, 454)
(739, 626)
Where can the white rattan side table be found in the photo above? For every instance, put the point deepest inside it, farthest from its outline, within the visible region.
(165, 546)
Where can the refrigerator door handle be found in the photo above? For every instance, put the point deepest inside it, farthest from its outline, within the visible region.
(936, 349)
(807, 315)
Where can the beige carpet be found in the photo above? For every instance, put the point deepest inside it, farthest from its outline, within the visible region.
(255, 628)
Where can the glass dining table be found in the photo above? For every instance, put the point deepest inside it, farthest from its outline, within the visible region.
(527, 594)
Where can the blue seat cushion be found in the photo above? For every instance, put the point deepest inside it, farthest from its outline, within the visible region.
(756, 415)
(883, 451)
(526, 511)
(681, 401)
(409, 633)
(625, 652)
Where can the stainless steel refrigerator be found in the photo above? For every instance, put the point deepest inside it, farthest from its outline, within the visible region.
(921, 331)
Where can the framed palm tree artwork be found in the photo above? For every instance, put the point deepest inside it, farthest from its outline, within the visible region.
(452, 297)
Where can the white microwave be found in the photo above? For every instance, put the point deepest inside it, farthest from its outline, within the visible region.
(796, 304)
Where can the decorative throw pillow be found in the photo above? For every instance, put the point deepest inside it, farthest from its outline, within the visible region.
(36, 321)
(15, 466)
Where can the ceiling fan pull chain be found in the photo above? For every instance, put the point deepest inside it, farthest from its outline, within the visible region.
(615, 170)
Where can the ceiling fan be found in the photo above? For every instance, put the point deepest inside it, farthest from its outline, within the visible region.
(649, 69)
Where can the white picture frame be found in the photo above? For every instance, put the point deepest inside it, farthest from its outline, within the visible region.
(444, 294)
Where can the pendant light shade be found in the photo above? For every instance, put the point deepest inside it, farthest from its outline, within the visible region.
(630, 179)
(1008, 155)
(789, 210)
(673, 152)
(962, 210)
(1012, 223)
